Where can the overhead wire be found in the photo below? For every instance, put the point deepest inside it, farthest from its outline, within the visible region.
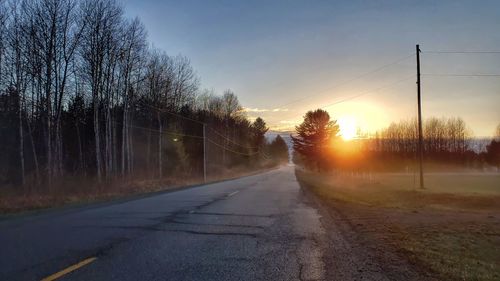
(233, 151)
(463, 52)
(389, 85)
(396, 82)
(460, 52)
(197, 121)
(172, 113)
(351, 80)
(232, 141)
(462, 74)
(186, 135)
(369, 92)
(158, 131)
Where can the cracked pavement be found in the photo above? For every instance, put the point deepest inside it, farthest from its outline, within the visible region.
(259, 227)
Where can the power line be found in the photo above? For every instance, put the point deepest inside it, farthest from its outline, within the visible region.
(149, 129)
(199, 122)
(191, 136)
(352, 79)
(232, 141)
(193, 120)
(185, 135)
(230, 150)
(172, 113)
(363, 94)
(368, 92)
(461, 52)
(158, 131)
(462, 75)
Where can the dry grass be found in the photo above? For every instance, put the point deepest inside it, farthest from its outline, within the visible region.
(451, 228)
(79, 192)
(443, 191)
(460, 251)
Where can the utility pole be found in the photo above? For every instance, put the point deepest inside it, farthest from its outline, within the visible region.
(204, 155)
(420, 137)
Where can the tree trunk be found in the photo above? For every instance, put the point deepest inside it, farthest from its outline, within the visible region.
(124, 139)
(114, 145)
(33, 149)
(109, 161)
(48, 143)
(80, 152)
(148, 152)
(130, 151)
(21, 141)
(97, 141)
(160, 133)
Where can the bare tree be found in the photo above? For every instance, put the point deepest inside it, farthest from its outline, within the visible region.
(102, 19)
(17, 78)
(74, 76)
(131, 54)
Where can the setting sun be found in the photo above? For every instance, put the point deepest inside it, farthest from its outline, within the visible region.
(347, 125)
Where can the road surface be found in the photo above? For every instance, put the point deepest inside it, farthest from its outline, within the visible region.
(260, 227)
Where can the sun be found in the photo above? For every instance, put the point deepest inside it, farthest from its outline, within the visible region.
(347, 126)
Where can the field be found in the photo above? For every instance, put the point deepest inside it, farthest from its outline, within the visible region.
(451, 229)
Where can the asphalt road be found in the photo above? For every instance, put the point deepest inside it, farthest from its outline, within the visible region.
(259, 227)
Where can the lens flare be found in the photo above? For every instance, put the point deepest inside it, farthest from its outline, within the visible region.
(347, 126)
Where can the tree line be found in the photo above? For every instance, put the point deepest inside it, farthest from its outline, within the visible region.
(317, 145)
(82, 95)
(443, 138)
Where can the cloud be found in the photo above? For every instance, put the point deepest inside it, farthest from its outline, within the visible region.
(280, 109)
(249, 109)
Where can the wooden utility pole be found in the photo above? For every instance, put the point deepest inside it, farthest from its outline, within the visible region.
(420, 137)
(204, 154)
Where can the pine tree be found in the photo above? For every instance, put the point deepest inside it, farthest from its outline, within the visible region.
(279, 150)
(315, 135)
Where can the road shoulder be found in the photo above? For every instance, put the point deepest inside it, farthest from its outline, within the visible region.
(354, 252)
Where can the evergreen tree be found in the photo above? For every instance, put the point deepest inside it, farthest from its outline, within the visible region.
(279, 150)
(259, 129)
(314, 136)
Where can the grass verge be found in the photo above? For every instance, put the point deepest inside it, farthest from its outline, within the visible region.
(13, 202)
(452, 228)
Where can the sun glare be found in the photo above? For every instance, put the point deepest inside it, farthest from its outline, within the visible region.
(347, 127)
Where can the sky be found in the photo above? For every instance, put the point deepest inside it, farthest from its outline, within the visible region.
(356, 59)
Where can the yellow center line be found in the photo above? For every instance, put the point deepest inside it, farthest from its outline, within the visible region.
(69, 269)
